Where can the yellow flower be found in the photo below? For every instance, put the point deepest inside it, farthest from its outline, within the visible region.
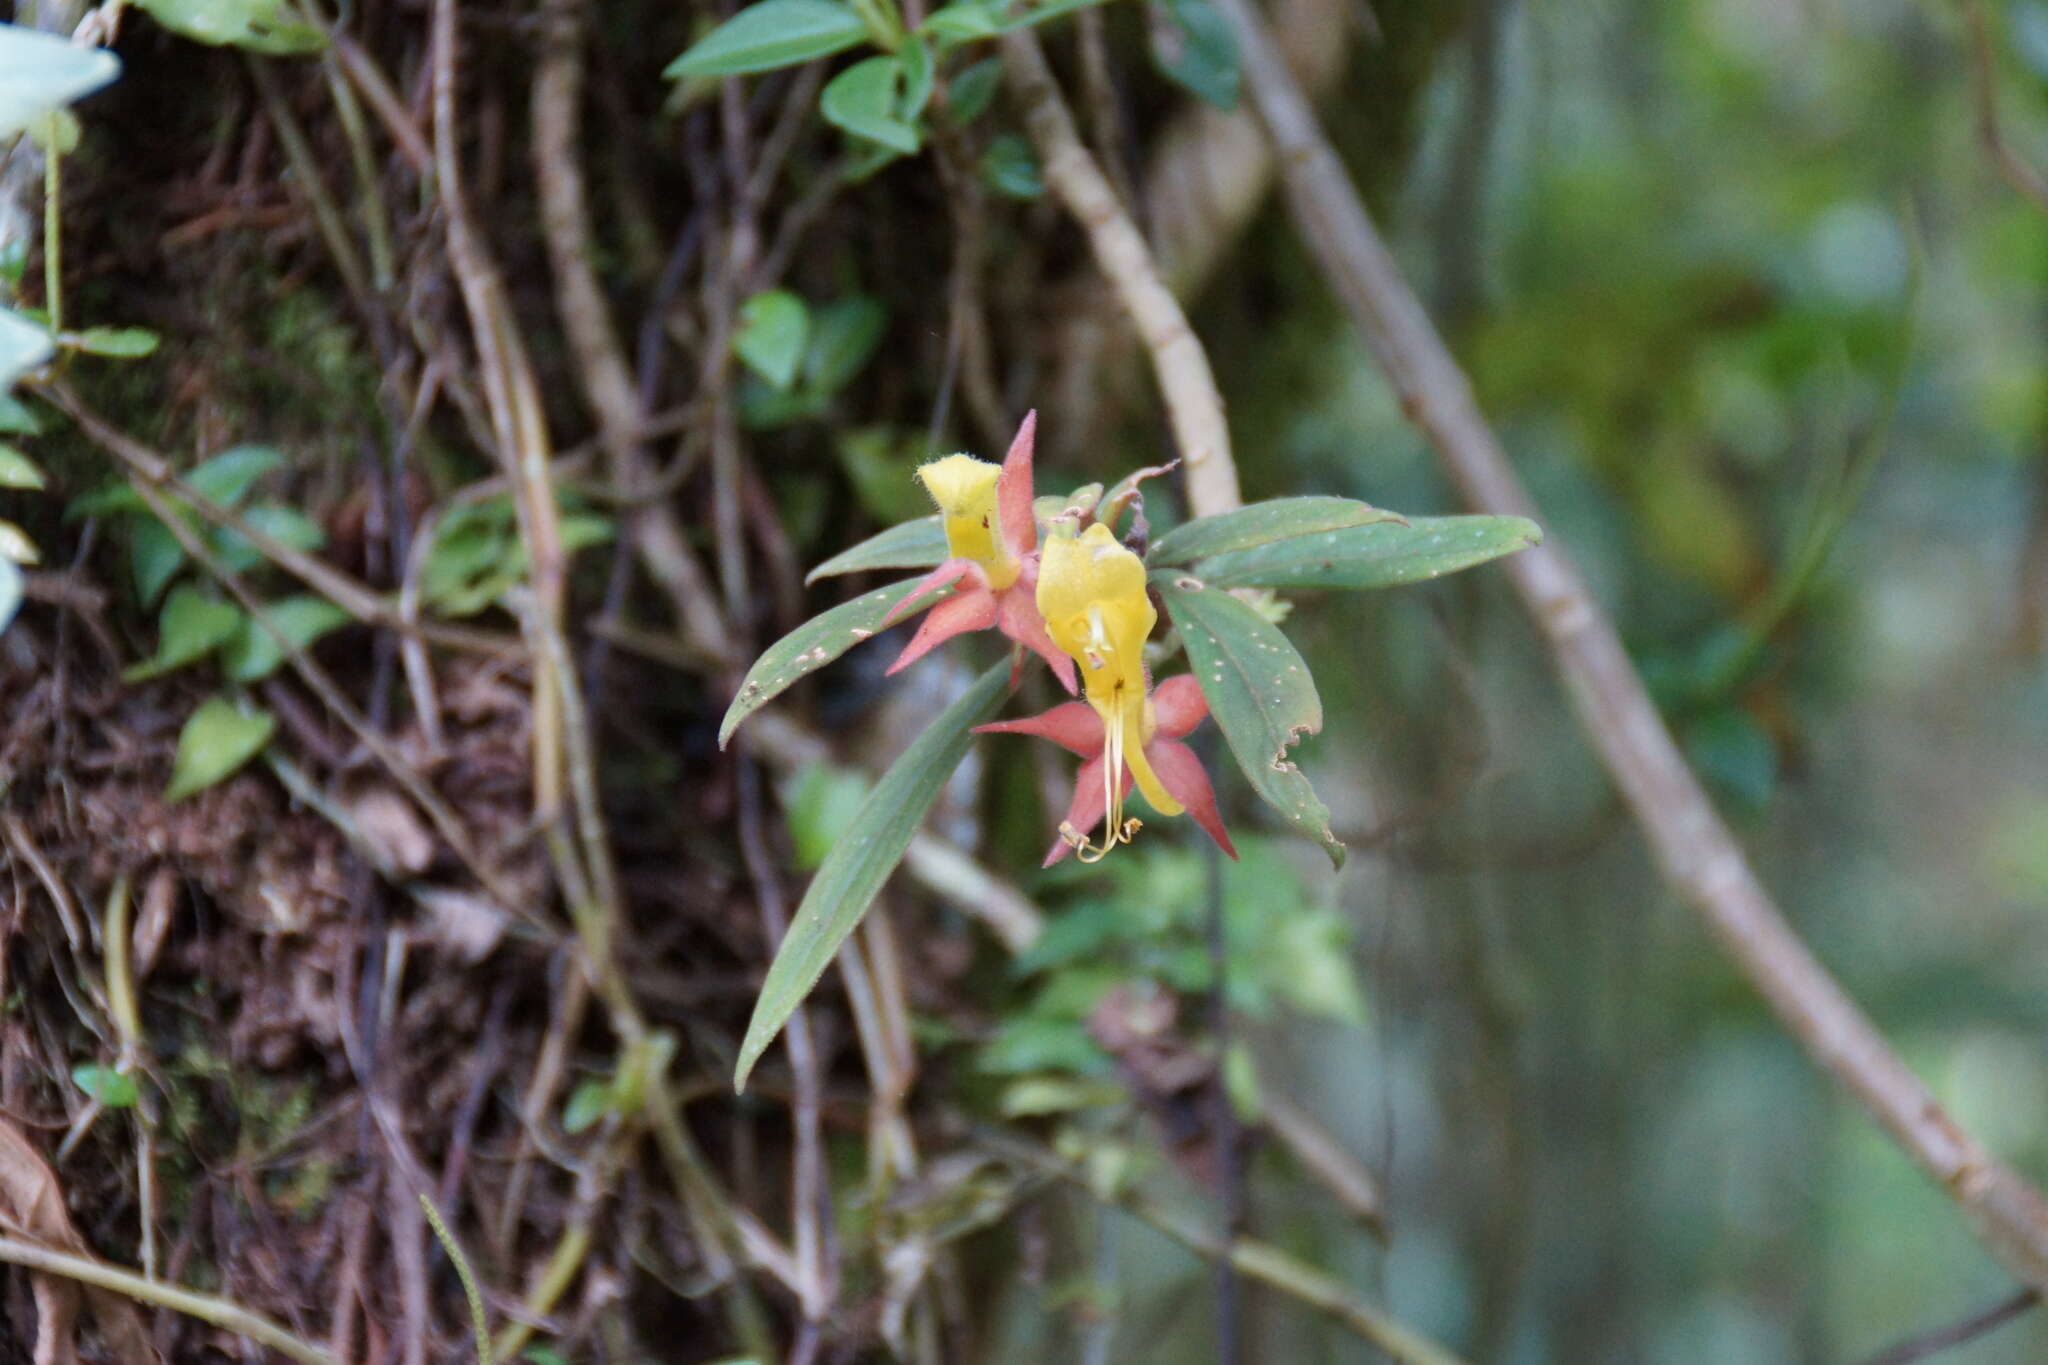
(1091, 592)
(965, 490)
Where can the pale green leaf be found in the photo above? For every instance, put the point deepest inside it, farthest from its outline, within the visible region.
(774, 327)
(111, 1088)
(23, 346)
(919, 544)
(15, 545)
(11, 588)
(1027, 15)
(1260, 523)
(266, 26)
(124, 342)
(962, 22)
(154, 558)
(287, 525)
(823, 803)
(862, 100)
(1192, 45)
(771, 34)
(17, 418)
(17, 470)
(1260, 693)
(1379, 556)
(852, 874)
(42, 71)
(253, 653)
(588, 1102)
(920, 76)
(190, 627)
(810, 647)
(218, 739)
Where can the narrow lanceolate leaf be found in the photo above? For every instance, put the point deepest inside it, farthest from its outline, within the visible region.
(218, 739)
(771, 34)
(810, 647)
(862, 860)
(919, 544)
(1260, 692)
(1379, 556)
(1262, 523)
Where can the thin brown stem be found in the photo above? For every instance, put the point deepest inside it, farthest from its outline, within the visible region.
(1695, 851)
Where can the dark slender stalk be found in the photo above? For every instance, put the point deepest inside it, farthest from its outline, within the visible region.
(1932, 1343)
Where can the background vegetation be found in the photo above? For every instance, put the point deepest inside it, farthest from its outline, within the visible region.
(520, 343)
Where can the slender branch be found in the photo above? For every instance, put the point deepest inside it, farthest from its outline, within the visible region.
(1192, 401)
(229, 1317)
(1926, 1344)
(1694, 849)
(1984, 87)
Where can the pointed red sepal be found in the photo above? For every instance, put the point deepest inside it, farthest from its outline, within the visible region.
(1180, 772)
(1014, 491)
(1072, 725)
(1180, 706)
(974, 609)
(951, 571)
(1017, 617)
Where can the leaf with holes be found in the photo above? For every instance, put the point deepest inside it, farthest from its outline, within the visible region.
(190, 627)
(810, 647)
(862, 860)
(919, 544)
(862, 100)
(1261, 523)
(216, 741)
(772, 34)
(1383, 555)
(266, 26)
(1260, 692)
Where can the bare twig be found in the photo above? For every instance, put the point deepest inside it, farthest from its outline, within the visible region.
(2015, 168)
(229, 1317)
(1932, 1343)
(1192, 401)
(1694, 849)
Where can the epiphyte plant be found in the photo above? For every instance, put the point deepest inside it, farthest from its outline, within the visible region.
(1078, 582)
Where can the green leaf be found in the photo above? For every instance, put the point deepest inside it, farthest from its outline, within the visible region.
(217, 740)
(1378, 556)
(962, 23)
(40, 72)
(1011, 167)
(18, 470)
(111, 1088)
(863, 859)
(18, 418)
(823, 803)
(190, 627)
(771, 34)
(919, 544)
(588, 1102)
(125, 342)
(844, 335)
(238, 554)
(23, 344)
(1260, 692)
(265, 26)
(154, 558)
(1193, 46)
(774, 325)
(862, 100)
(227, 477)
(11, 588)
(880, 461)
(810, 647)
(1261, 523)
(253, 653)
(15, 544)
(920, 75)
(1038, 14)
(969, 94)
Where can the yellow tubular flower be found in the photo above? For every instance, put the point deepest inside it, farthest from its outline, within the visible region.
(1091, 592)
(965, 490)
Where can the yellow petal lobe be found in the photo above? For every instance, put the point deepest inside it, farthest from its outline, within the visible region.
(965, 490)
